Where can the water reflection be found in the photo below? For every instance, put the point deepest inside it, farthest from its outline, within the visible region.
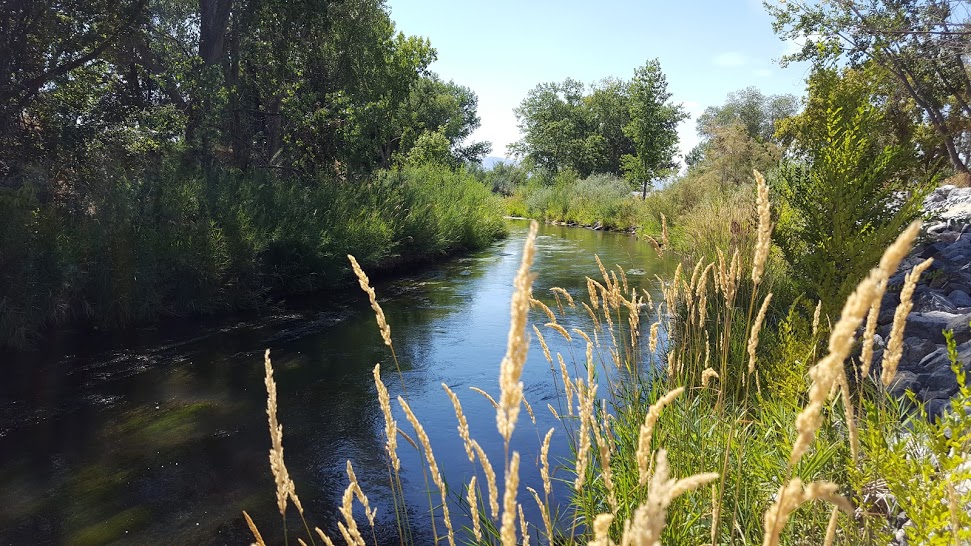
(160, 436)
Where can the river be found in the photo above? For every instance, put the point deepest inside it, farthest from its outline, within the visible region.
(160, 435)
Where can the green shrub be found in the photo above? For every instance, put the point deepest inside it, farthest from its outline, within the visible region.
(845, 206)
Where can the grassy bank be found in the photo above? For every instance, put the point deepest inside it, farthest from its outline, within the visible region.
(132, 246)
(711, 432)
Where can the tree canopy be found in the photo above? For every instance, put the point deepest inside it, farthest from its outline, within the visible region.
(922, 44)
(308, 86)
(613, 126)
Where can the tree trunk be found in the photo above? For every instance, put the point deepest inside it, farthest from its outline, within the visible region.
(214, 20)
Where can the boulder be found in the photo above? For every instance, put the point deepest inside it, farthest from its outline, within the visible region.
(914, 351)
(904, 381)
(930, 326)
(960, 298)
(933, 301)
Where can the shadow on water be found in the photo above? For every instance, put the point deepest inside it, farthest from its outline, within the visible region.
(161, 436)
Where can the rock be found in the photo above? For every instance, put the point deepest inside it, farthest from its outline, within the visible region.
(935, 407)
(933, 301)
(960, 298)
(914, 351)
(930, 326)
(949, 237)
(904, 381)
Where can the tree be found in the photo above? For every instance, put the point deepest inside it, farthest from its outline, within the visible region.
(922, 43)
(846, 198)
(557, 128)
(609, 104)
(652, 127)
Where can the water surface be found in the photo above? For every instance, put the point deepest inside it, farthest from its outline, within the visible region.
(160, 436)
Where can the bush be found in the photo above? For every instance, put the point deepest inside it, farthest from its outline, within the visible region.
(174, 241)
(845, 206)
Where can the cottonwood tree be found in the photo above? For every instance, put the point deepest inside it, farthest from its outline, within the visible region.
(652, 127)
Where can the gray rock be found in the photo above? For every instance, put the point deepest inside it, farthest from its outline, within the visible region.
(904, 381)
(914, 351)
(933, 301)
(960, 298)
(948, 237)
(935, 407)
(930, 326)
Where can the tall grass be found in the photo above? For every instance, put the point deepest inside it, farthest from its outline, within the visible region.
(602, 200)
(690, 441)
(177, 241)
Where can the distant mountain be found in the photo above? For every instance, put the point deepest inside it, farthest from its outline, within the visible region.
(490, 161)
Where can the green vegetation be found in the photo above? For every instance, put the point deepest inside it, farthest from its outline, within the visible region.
(186, 242)
(185, 157)
(713, 445)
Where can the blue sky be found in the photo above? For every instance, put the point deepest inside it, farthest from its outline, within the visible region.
(502, 49)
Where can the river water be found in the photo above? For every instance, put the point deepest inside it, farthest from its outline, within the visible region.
(160, 435)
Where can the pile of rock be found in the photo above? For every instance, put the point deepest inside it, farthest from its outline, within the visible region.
(942, 301)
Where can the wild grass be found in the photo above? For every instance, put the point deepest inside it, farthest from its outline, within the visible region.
(696, 440)
(176, 241)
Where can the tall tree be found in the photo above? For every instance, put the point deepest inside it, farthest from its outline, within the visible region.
(557, 128)
(652, 127)
(923, 43)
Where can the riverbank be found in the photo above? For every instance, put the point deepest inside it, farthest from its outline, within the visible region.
(177, 242)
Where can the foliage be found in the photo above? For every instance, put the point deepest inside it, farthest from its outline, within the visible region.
(186, 241)
(652, 127)
(600, 199)
(921, 43)
(615, 127)
(848, 201)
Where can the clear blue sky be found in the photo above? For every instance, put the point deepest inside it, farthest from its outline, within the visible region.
(502, 49)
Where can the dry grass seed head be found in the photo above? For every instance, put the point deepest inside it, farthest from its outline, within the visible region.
(362, 280)
(463, 426)
(592, 291)
(895, 345)
(544, 459)
(390, 425)
(511, 368)
(764, 235)
(793, 495)
(507, 531)
(253, 529)
(707, 376)
(545, 513)
(543, 345)
(487, 396)
(490, 475)
(647, 431)
(561, 330)
(819, 307)
(866, 354)
(472, 498)
(566, 295)
(432, 466)
(649, 518)
(533, 302)
(652, 343)
(753, 339)
(284, 485)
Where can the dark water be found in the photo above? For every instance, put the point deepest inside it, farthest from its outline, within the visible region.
(161, 436)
